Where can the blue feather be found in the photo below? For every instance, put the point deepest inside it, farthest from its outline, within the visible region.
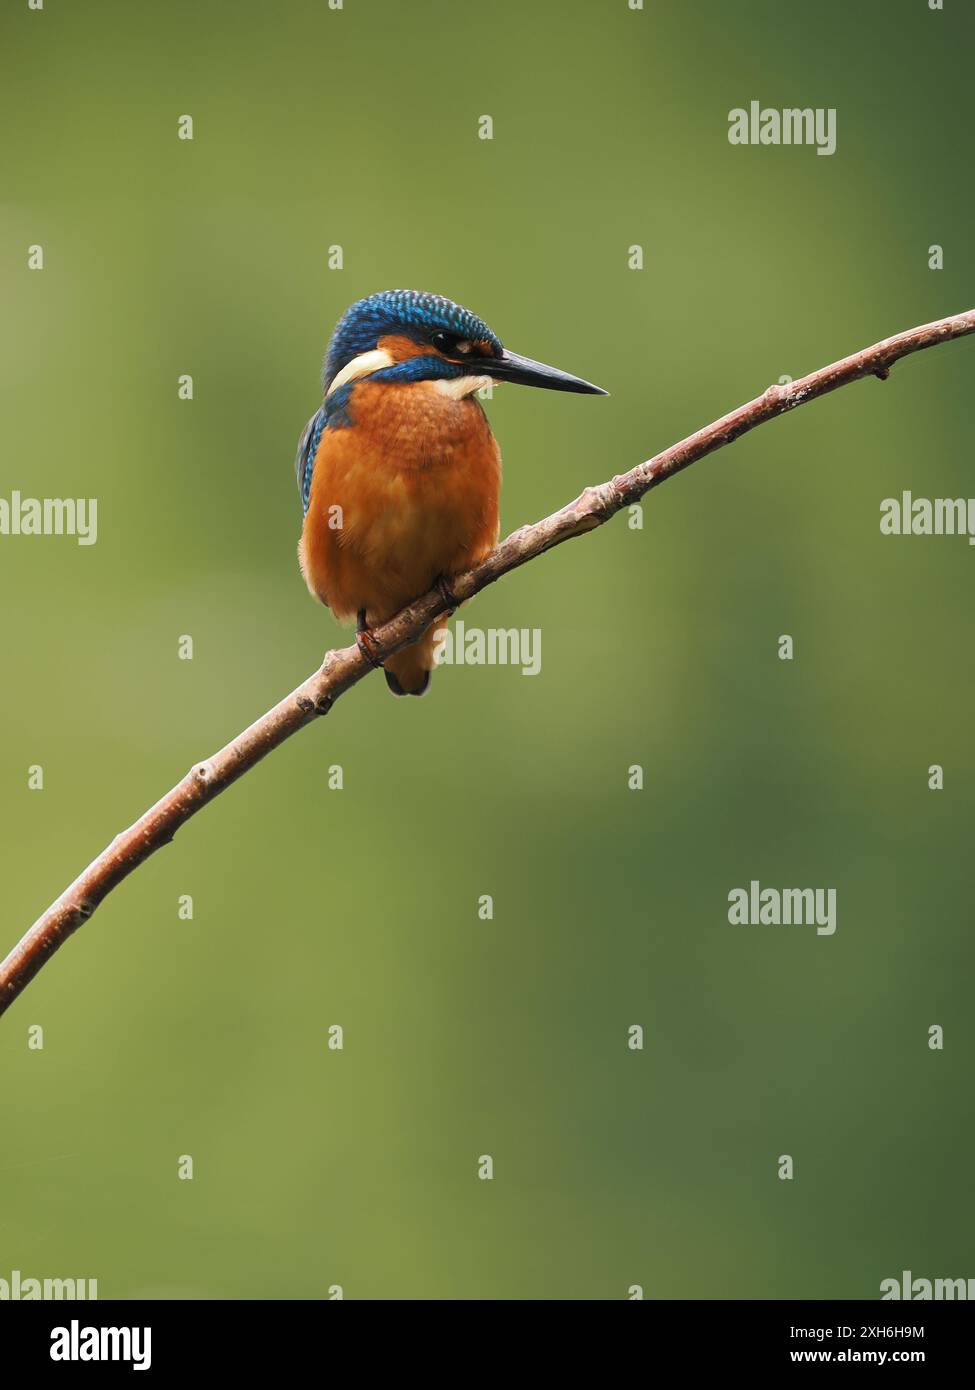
(305, 458)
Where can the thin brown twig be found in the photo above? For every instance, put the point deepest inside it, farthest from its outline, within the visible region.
(344, 667)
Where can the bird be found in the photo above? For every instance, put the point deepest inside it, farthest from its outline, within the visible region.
(398, 470)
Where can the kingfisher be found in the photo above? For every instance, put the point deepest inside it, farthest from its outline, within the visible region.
(398, 471)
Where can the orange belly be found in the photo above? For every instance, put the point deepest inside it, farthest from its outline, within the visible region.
(408, 492)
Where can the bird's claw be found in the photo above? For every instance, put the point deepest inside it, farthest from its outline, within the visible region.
(443, 588)
(365, 641)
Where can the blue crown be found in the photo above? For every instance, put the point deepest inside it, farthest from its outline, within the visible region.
(410, 312)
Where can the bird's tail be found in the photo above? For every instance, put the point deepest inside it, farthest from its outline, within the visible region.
(408, 672)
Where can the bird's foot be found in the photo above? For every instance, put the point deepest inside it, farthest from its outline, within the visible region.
(365, 641)
(442, 585)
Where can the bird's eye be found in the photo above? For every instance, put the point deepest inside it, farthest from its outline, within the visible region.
(445, 343)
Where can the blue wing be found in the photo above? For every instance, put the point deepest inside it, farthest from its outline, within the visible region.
(305, 457)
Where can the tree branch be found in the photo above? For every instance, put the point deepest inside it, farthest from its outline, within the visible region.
(343, 668)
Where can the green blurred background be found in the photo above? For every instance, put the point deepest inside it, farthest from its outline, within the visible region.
(359, 907)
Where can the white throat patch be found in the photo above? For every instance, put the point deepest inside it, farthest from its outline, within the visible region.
(460, 386)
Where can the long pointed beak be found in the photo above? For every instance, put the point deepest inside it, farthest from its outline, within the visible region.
(511, 366)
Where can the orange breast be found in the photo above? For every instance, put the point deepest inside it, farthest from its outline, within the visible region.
(408, 492)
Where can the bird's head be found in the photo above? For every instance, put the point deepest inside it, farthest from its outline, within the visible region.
(407, 336)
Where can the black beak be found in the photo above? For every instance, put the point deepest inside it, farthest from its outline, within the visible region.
(510, 366)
